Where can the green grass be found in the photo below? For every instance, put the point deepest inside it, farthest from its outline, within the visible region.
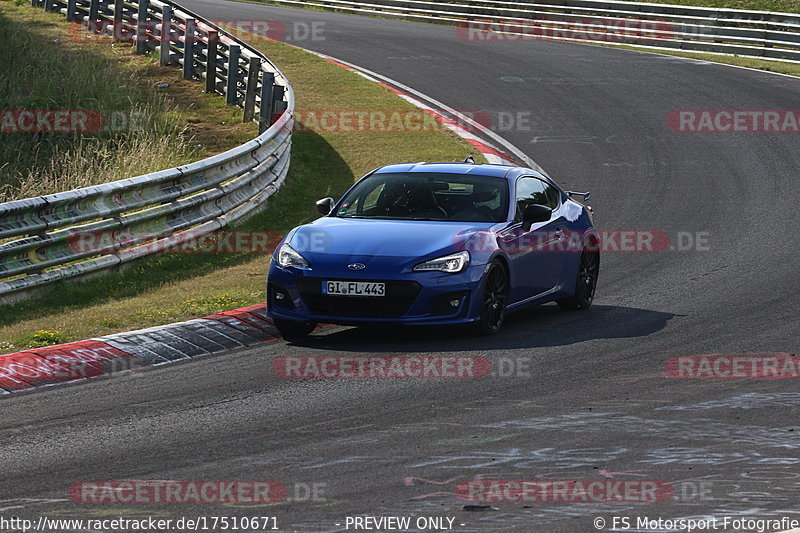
(783, 6)
(792, 69)
(172, 287)
(47, 64)
(41, 338)
(45, 68)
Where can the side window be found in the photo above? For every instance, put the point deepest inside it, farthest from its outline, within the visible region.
(365, 201)
(553, 196)
(371, 199)
(534, 191)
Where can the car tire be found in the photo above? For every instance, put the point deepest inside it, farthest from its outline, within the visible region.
(585, 282)
(494, 299)
(293, 330)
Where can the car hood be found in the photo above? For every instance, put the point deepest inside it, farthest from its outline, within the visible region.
(362, 238)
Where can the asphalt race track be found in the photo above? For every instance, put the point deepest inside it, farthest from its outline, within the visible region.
(587, 398)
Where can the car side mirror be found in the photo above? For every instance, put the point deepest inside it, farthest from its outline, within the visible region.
(326, 205)
(535, 213)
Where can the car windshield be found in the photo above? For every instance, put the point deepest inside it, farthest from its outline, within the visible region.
(427, 196)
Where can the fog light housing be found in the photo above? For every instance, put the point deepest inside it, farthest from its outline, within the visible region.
(448, 304)
(278, 297)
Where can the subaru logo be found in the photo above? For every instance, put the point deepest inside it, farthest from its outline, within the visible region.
(357, 266)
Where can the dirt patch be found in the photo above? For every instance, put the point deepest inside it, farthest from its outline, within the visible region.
(212, 126)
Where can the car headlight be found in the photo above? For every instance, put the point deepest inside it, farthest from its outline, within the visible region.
(289, 257)
(449, 263)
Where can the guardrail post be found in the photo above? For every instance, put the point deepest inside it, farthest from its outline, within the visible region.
(72, 7)
(166, 34)
(277, 99)
(278, 105)
(142, 15)
(188, 49)
(94, 12)
(234, 51)
(265, 111)
(118, 30)
(253, 68)
(48, 5)
(211, 61)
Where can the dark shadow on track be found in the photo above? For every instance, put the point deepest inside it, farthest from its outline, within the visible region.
(541, 326)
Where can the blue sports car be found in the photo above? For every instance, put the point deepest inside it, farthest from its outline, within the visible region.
(435, 243)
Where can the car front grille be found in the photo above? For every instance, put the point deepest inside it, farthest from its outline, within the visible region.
(400, 295)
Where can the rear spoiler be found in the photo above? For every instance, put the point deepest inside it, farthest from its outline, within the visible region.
(585, 195)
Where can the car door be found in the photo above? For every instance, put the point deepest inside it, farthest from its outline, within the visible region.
(536, 259)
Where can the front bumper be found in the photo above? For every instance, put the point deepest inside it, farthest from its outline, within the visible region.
(412, 299)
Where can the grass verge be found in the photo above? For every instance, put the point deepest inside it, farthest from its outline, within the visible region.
(47, 64)
(792, 69)
(173, 287)
(782, 6)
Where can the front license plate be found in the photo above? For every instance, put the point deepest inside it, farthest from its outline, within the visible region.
(353, 288)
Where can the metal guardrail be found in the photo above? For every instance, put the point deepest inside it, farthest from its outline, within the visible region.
(760, 34)
(164, 208)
